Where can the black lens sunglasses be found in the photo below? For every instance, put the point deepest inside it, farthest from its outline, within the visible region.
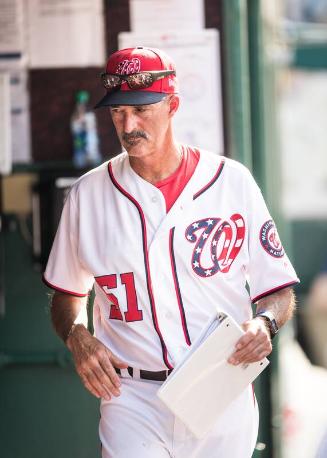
(139, 80)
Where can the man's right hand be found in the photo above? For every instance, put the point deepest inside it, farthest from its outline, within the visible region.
(95, 363)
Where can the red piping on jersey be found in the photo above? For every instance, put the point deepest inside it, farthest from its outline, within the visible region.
(50, 285)
(176, 283)
(212, 181)
(146, 264)
(274, 290)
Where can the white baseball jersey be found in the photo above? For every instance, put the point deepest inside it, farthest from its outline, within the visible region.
(160, 276)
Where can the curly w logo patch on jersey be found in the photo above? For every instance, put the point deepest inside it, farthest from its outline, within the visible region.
(217, 243)
(270, 240)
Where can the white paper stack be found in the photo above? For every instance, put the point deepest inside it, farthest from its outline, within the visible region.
(203, 384)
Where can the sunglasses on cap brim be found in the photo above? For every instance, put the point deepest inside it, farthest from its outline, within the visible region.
(140, 80)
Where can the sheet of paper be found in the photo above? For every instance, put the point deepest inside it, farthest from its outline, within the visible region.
(303, 121)
(198, 121)
(208, 329)
(166, 15)
(5, 124)
(204, 384)
(19, 108)
(11, 27)
(20, 116)
(66, 33)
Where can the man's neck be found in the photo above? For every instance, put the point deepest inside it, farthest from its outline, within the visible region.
(158, 165)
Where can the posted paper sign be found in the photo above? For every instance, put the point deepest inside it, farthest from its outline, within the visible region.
(19, 108)
(66, 33)
(5, 124)
(11, 27)
(166, 15)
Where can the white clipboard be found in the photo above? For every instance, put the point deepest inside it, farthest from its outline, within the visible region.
(203, 384)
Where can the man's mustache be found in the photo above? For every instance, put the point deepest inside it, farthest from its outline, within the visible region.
(132, 136)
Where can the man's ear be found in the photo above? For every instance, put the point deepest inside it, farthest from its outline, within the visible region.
(173, 104)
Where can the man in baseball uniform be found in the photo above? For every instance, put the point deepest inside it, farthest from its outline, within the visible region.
(168, 235)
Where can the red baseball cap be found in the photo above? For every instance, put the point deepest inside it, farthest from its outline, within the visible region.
(135, 60)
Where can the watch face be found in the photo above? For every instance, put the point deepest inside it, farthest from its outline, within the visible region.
(273, 326)
(269, 317)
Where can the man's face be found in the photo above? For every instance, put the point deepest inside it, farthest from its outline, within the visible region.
(143, 129)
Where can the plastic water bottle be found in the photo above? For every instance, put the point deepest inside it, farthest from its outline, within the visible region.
(84, 131)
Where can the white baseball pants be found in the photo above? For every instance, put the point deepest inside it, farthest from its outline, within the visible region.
(138, 425)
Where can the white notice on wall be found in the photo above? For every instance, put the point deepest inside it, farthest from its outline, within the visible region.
(198, 121)
(19, 108)
(166, 15)
(66, 33)
(5, 124)
(20, 116)
(11, 27)
(303, 121)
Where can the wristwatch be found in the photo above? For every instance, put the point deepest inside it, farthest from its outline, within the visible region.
(270, 321)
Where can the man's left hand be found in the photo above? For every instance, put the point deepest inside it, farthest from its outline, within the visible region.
(254, 345)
